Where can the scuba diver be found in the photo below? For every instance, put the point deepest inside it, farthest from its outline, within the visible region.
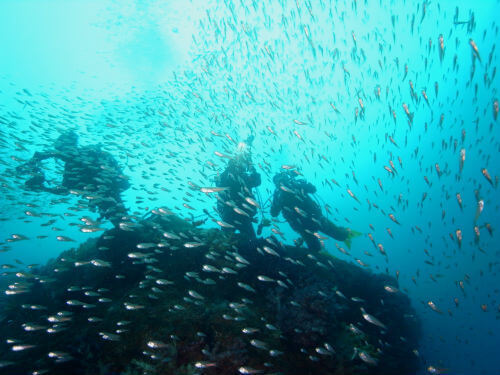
(236, 205)
(291, 197)
(88, 170)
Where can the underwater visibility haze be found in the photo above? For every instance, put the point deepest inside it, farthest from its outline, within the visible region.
(249, 187)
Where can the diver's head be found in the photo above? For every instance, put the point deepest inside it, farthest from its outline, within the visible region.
(68, 139)
(242, 159)
(242, 148)
(277, 179)
(250, 139)
(235, 165)
(282, 177)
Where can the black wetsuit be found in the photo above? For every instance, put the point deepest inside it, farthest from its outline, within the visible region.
(302, 213)
(231, 204)
(89, 171)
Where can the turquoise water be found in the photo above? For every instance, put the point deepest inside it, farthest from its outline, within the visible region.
(163, 85)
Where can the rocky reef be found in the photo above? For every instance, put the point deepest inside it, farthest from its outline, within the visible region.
(164, 297)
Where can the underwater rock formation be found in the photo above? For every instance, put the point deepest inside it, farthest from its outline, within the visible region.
(164, 297)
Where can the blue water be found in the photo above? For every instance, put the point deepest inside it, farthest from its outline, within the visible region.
(153, 81)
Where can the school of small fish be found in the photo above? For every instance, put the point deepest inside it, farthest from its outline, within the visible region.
(396, 125)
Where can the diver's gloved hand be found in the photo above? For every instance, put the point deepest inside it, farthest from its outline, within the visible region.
(250, 139)
(263, 223)
(20, 169)
(35, 183)
(352, 234)
(298, 242)
(28, 167)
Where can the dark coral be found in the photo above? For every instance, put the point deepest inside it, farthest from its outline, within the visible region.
(295, 318)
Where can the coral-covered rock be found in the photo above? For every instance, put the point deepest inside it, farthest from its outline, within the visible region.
(163, 297)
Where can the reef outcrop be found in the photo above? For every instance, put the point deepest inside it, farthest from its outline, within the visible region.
(164, 297)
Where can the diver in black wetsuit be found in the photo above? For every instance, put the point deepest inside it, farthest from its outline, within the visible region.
(88, 170)
(236, 205)
(291, 197)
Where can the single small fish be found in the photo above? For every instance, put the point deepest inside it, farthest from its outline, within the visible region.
(265, 278)
(19, 237)
(209, 268)
(171, 236)
(223, 224)
(433, 306)
(239, 211)
(441, 47)
(367, 358)
(490, 229)
(19, 348)
(458, 233)
(259, 344)
(146, 245)
(139, 255)
(87, 229)
(252, 201)
(246, 287)
(213, 189)
(459, 200)
(204, 364)
(196, 295)
(132, 306)
(435, 370)
(100, 263)
(461, 160)
(408, 114)
(391, 289)
(249, 371)
(475, 50)
(340, 294)
(282, 284)
(155, 344)
(393, 218)
(323, 351)
(250, 331)
(190, 245)
(270, 251)
(352, 195)
(240, 259)
(329, 347)
(163, 282)
(275, 353)
(30, 327)
(109, 336)
(271, 327)
(65, 239)
(371, 319)
(479, 209)
(486, 175)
